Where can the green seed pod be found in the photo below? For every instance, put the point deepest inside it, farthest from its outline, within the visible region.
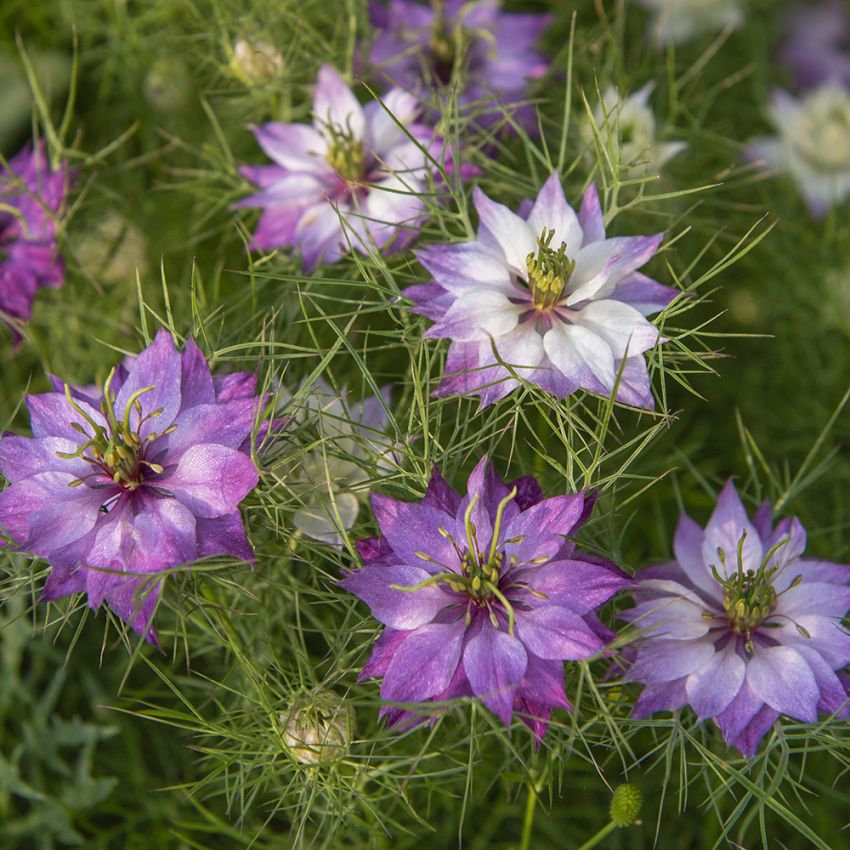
(626, 804)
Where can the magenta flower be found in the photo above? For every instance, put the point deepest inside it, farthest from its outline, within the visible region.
(741, 627)
(354, 178)
(817, 44)
(547, 294)
(481, 595)
(147, 476)
(32, 200)
(417, 46)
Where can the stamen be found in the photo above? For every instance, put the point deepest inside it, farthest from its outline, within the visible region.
(548, 271)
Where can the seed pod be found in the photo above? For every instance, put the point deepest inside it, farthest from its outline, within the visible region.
(318, 728)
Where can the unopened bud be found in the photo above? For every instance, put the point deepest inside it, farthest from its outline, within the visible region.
(255, 61)
(318, 728)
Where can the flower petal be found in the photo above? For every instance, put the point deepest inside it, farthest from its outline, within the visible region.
(553, 632)
(780, 676)
(500, 226)
(551, 211)
(495, 663)
(713, 687)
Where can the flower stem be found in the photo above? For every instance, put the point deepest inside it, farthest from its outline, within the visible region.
(592, 842)
(528, 819)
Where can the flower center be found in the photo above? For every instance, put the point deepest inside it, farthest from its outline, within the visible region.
(117, 450)
(346, 155)
(749, 597)
(549, 271)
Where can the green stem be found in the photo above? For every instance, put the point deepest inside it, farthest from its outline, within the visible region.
(528, 819)
(592, 842)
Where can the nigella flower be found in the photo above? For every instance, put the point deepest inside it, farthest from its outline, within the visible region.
(493, 51)
(344, 440)
(481, 595)
(630, 125)
(817, 44)
(550, 296)
(812, 145)
(146, 476)
(741, 627)
(677, 21)
(32, 201)
(355, 176)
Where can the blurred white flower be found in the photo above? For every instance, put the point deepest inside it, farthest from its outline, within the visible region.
(345, 440)
(677, 21)
(255, 61)
(112, 250)
(167, 85)
(630, 122)
(318, 728)
(812, 145)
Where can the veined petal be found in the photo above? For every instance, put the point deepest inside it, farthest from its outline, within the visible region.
(624, 329)
(713, 686)
(495, 663)
(552, 632)
(500, 226)
(780, 676)
(551, 211)
(581, 355)
(477, 315)
(465, 266)
(335, 105)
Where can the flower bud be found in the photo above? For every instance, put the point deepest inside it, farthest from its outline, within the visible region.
(255, 61)
(112, 250)
(318, 728)
(626, 804)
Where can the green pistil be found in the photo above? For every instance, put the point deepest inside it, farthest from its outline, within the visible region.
(749, 596)
(548, 271)
(346, 155)
(479, 576)
(118, 449)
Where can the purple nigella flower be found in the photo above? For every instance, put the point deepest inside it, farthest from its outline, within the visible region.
(147, 476)
(418, 45)
(817, 44)
(482, 595)
(741, 627)
(32, 198)
(550, 295)
(355, 176)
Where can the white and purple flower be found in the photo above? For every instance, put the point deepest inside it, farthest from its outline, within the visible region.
(547, 295)
(630, 125)
(481, 595)
(812, 145)
(817, 44)
(492, 51)
(32, 202)
(345, 440)
(678, 21)
(354, 178)
(146, 475)
(741, 627)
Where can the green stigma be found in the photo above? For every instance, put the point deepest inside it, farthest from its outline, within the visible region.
(346, 155)
(749, 596)
(548, 271)
(116, 450)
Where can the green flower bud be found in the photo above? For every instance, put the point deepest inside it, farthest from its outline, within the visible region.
(318, 728)
(626, 804)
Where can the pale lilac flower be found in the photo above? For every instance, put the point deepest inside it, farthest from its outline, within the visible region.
(817, 44)
(741, 627)
(344, 440)
(481, 595)
(550, 296)
(812, 144)
(32, 202)
(352, 178)
(418, 45)
(678, 21)
(148, 475)
(628, 124)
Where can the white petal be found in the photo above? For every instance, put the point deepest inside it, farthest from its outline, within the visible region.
(579, 352)
(621, 326)
(500, 226)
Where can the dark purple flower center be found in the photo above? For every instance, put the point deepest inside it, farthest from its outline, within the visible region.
(117, 451)
(549, 271)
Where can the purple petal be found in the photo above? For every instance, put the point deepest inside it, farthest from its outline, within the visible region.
(552, 632)
(211, 479)
(688, 546)
(713, 687)
(382, 653)
(378, 587)
(424, 664)
(551, 211)
(495, 663)
(644, 294)
(335, 105)
(440, 495)
(223, 535)
(780, 676)
(576, 584)
(665, 660)
(196, 383)
(541, 525)
(414, 528)
(724, 532)
(665, 696)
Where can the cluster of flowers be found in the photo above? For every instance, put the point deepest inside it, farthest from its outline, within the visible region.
(483, 594)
